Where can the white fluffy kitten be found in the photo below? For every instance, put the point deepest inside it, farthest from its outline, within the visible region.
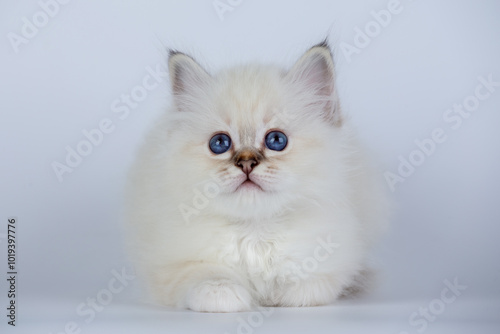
(252, 190)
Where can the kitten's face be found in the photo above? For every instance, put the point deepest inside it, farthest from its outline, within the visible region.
(255, 138)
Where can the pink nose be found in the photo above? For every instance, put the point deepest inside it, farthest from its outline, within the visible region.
(247, 165)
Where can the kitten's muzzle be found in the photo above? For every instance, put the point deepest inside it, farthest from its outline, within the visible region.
(247, 161)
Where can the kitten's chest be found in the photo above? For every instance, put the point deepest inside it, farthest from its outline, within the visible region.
(261, 254)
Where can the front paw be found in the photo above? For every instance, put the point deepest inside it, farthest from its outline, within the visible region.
(219, 295)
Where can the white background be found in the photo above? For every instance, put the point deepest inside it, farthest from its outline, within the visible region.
(396, 90)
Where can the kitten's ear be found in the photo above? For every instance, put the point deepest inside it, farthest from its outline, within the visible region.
(186, 76)
(315, 73)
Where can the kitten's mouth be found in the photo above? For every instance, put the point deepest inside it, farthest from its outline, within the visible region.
(249, 184)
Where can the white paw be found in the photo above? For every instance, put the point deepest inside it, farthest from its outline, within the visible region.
(219, 295)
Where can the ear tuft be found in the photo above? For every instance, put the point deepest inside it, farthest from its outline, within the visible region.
(323, 44)
(172, 52)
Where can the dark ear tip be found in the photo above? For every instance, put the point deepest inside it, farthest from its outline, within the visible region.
(323, 44)
(173, 52)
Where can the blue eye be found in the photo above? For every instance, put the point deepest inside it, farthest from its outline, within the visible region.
(220, 143)
(276, 141)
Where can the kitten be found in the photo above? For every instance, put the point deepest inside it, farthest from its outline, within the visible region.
(252, 190)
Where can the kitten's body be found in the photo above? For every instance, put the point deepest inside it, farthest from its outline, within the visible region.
(297, 235)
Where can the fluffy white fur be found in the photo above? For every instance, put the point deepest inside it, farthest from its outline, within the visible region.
(204, 243)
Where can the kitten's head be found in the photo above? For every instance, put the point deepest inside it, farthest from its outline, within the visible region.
(255, 140)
